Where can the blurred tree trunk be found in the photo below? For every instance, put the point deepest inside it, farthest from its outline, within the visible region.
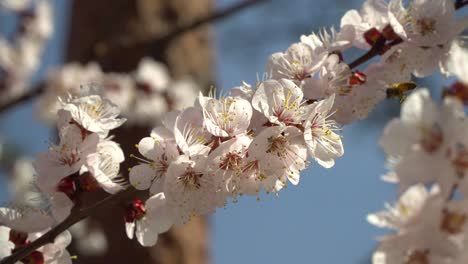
(96, 27)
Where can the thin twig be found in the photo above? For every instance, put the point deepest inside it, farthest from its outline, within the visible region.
(50, 236)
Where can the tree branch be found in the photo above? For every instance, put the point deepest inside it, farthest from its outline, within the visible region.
(26, 96)
(157, 41)
(211, 18)
(460, 3)
(67, 223)
(376, 49)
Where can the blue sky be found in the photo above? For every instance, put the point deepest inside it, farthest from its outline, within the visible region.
(322, 220)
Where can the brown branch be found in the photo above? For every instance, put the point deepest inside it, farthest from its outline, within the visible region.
(376, 49)
(25, 97)
(460, 3)
(211, 18)
(50, 236)
(158, 42)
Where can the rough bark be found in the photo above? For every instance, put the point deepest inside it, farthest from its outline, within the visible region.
(111, 32)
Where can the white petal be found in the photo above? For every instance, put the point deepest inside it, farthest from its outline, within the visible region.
(27, 219)
(398, 137)
(159, 213)
(145, 234)
(141, 176)
(130, 229)
(61, 206)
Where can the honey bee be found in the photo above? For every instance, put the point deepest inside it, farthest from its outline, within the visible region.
(399, 90)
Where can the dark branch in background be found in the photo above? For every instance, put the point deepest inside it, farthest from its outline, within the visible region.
(212, 18)
(158, 41)
(28, 95)
(50, 236)
(460, 3)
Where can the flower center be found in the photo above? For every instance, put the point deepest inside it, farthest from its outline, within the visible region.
(432, 138)
(452, 222)
(418, 257)
(298, 71)
(231, 160)
(190, 179)
(426, 25)
(68, 187)
(67, 156)
(277, 145)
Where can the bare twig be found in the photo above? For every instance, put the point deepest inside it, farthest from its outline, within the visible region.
(67, 223)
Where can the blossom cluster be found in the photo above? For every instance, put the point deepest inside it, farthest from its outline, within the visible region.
(428, 151)
(21, 57)
(84, 160)
(261, 137)
(143, 96)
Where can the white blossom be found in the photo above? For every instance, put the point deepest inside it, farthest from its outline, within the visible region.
(160, 150)
(227, 116)
(104, 165)
(95, 114)
(280, 101)
(323, 143)
(146, 221)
